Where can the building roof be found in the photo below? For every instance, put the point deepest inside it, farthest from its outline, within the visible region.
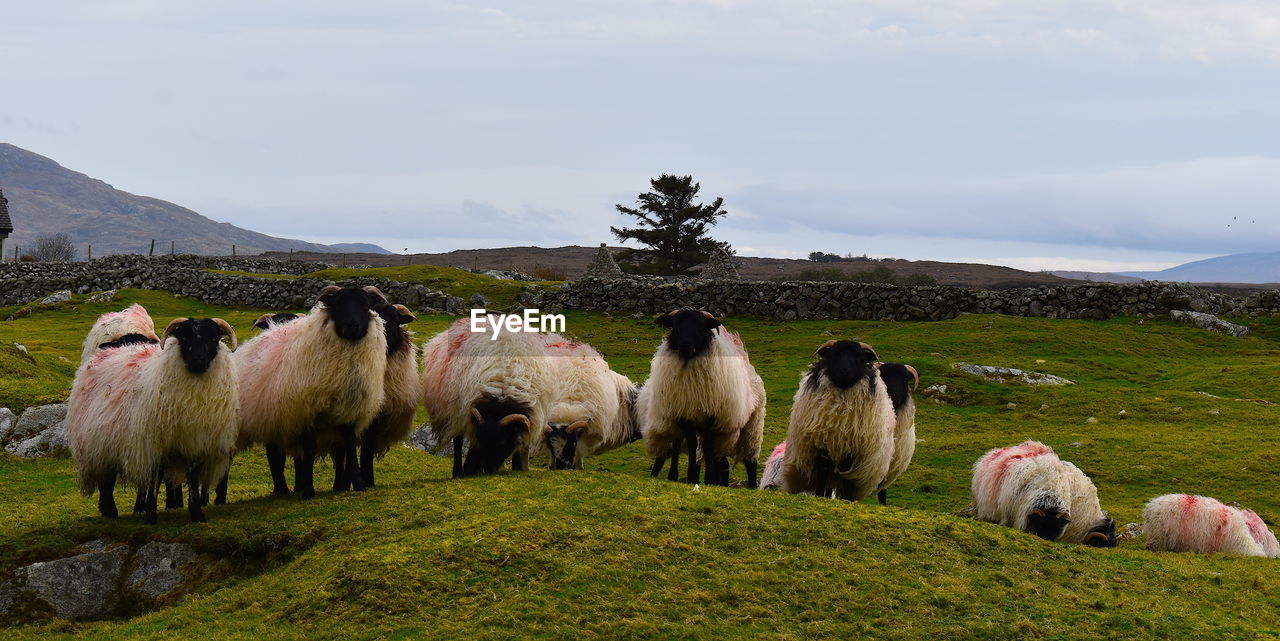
(6, 225)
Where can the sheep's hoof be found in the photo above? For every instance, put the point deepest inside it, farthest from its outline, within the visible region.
(306, 494)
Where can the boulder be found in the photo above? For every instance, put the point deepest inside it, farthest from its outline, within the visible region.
(158, 567)
(1209, 322)
(7, 421)
(35, 420)
(49, 442)
(79, 587)
(56, 297)
(102, 297)
(478, 300)
(1005, 374)
(423, 439)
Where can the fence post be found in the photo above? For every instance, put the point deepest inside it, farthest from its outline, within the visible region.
(152, 252)
(90, 253)
(171, 248)
(233, 251)
(290, 253)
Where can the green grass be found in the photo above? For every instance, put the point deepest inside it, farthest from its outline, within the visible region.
(450, 280)
(609, 553)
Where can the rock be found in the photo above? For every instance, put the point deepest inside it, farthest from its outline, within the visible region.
(1122, 414)
(37, 419)
(719, 266)
(158, 567)
(79, 587)
(1215, 412)
(455, 306)
(478, 300)
(102, 297)
(1011, 406)
(7, 592)
(1076, 444)
(493, 273)
(56, 297)
(1209, 322)
(7, 420)
(21, 348)
(1129, 531)
(603, 266)
(1092, 420)
(1004, 374)
(940, 389)
(423, 439)
(48, 442)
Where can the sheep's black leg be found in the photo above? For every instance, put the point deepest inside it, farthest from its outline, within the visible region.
(472, 466)
(140, 503)
(691, 439)
(275, 460)
(709, 459)
(352, 477)
(304, 466)
(822, 468)
(172, 495)
(883, 496)
(752, 483)
(657, 466)
(220, 494)
(724, 471)
(457, 457)
(520, 459)
(107, 498)
(193, 491)
(368, 447)
(674, 473)
(340, 482)
(153, 497)
(846, 489)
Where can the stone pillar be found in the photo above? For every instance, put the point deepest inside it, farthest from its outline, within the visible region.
(602, 266)
(6, 225)
(719, 267)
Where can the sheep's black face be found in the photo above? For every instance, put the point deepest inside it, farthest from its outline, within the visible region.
(562, 443)
(691, 331)
(1047, 523)
(349, 311)
(393, 317)
(844, 363)
(1102, 536)
(496, 442)
(275, 319)
(129, 339)
(898, 380)
(198, 340)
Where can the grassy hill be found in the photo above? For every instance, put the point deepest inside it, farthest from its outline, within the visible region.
(608, 553)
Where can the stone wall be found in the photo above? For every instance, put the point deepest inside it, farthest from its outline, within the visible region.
(25, 282)
(867, 301)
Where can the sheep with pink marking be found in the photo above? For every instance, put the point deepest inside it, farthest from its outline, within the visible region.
(1187, 523)
(130, 325)
(771, 478)
(595, 410)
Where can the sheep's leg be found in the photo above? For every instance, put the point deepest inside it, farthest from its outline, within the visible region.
(153, 492)
(457, 457)
(709, 460)
(846, 489)
(340, 481)
(193, 491)
(520, 459)
(657, 466)
(172, 495)
(304, 466)
(351, 477)
(691, 438)
(752, 483)
(724, 471)
(220, 494)
(674, 474)
(107, 498)
(883, 496)
(368, 447)
(140, 503)
(822, 468)
(275, 461)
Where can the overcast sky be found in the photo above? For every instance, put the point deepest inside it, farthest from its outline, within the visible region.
(1073, 134)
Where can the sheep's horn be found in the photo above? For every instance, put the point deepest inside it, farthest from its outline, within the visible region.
(511, 419)
(708, 314)
(1096, 536)
(915, 375)
(263, 322)
(406, 316)
(370, 289)
(475, 414)
(327, 290)
(578, 426)
(824, 346)
(874, 356)
(674, 312)
(226, 329)
(173, 324)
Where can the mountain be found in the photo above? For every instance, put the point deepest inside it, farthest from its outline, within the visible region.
(1260, 267)
(1096, 277)
(359, 248)
(45, 197)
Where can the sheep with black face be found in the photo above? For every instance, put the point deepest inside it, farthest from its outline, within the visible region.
(267, 321)
(703, 395)
(594, 413)
(899, 382)
(842, 421)
(315, 382)
(146, 413)
(394, 421)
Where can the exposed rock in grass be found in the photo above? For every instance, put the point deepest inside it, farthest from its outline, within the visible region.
(56, 297)
(52, 441)
(37, 419)
(39, 432)
(479, 300)
(7, 420)
(157, 567)
(1006, 374)
(102, 297)
(79, 587)
(423, 439)
(1209, 322)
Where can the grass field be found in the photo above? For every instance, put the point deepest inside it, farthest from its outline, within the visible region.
(608, 553)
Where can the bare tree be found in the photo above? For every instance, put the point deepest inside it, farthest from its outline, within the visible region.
(51, 248)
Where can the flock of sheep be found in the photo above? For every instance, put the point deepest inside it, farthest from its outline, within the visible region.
(344, 382)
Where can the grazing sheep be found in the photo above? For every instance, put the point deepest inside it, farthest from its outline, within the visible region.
(267, 321)
(315, 382)
(401, 392)
(147, 413)
(899, 381)
(771, 479)
(132, 324)
(1028, 488)
(1186, 523)
(594, 413)
(490, 393)
(702, 392)
(842, 425)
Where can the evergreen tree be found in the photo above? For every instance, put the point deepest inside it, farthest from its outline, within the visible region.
(672, 227)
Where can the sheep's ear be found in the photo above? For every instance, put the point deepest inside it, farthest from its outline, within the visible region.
(476, 417)
(709, 321)
(226, 329)
(263, 322)
(826, 347)
(1037, 513)
(511, 420)
(168, 331)
(406, 316)
(666, 320)
(326, 293)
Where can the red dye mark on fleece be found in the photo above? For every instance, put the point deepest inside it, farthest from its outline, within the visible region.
(999, 464)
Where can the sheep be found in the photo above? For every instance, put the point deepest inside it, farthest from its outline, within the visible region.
(490, 392)
(771, 479)
(1186, 523)
(113, 329)
(267, 321)
(594, 413)
(703, 392)
(313, 383)
(146, 413)
(842, 425)
(895, 377)
(394, 421)
(1027, 487)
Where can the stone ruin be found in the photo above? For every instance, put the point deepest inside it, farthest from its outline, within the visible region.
(719, 267)
(602, 266)
(6, 224)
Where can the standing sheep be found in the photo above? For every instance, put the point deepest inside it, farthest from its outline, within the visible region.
(1186, 523)
(400, 390)
(1028, 488)
(703, 392)
(491, 392)
(313, 382)
(131, 325)
(842, 425)
(899, 381)
(595, 410)
(147, 413)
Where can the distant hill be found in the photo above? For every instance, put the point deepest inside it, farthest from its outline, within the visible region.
(45, 197)
(359, 248)
(569, 262)
(1261, 267)
(1097, 277)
